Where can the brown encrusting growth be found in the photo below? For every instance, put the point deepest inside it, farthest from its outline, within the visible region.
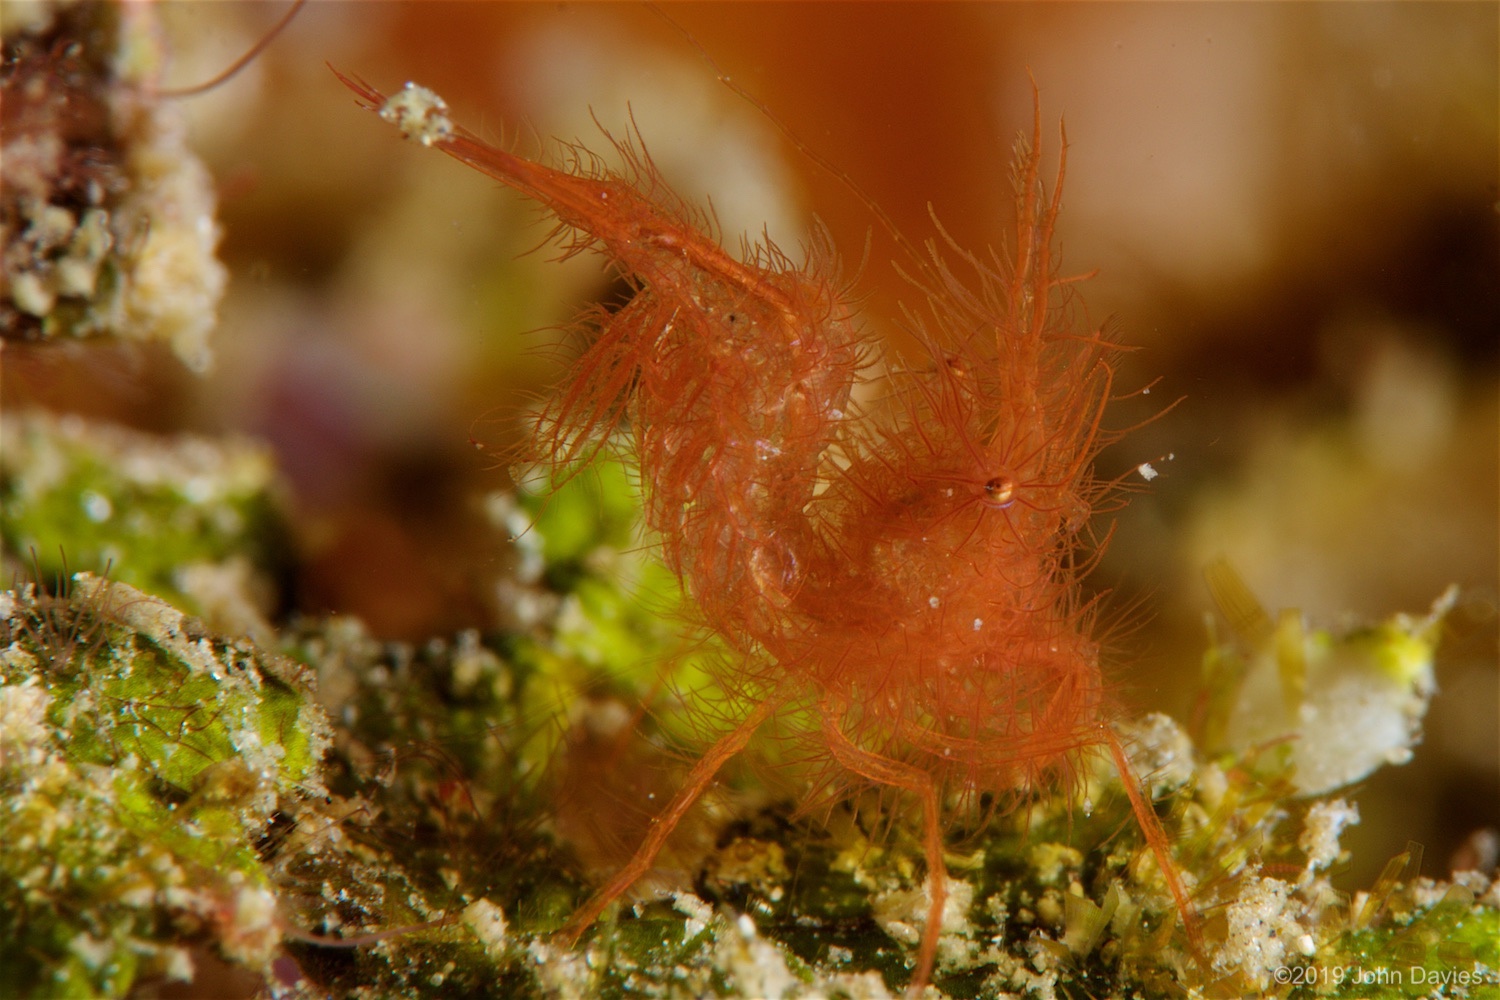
(107, 225)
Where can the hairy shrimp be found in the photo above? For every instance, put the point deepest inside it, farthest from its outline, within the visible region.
(901, 580)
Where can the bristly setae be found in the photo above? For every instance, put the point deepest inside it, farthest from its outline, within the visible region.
(899, 581)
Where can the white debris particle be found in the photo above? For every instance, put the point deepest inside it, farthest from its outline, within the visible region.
(1147, 471)
(472, 662)
(441, 976)
(96, 506)
(757, 966)
(139, 896)
(253, 934)
(1321, 829)
(1213, 785)
(179, 965)
(902, 913)
(934, 602)
(93, 954)
(23, 718)
(1160, 751)
(560, 971)
(31, 294)
(697, 911)
(199, 489)
(1260, 927)
(487, 921)
(419, 113)
(978, 624)
(1043, 982)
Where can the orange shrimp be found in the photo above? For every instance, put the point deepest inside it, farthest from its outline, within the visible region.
(907, 576)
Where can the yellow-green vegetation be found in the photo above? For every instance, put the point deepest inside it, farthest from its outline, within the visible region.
(1333, 707)
(143, 763)
(193, 520)
(176, 798)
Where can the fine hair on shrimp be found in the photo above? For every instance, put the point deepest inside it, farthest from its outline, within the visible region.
(899, 583)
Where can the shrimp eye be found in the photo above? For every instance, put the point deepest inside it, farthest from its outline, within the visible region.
(1000, 492)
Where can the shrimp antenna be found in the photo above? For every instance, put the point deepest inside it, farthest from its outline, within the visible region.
(240, 63)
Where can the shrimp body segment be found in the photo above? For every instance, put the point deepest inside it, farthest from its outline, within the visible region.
(735, 376)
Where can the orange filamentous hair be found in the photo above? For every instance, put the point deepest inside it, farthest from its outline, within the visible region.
(953, 635)
(905, 576)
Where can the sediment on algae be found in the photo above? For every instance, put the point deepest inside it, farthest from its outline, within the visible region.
(179, 803)
(143, 762)
(196, 521)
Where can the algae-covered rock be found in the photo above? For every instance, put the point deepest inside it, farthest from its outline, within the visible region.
(194, 520)
(142, 762)
(384, 819)
(757, 898)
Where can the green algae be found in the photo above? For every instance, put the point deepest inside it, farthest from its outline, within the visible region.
(193, 520)
(197, 799)
(142, 761)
